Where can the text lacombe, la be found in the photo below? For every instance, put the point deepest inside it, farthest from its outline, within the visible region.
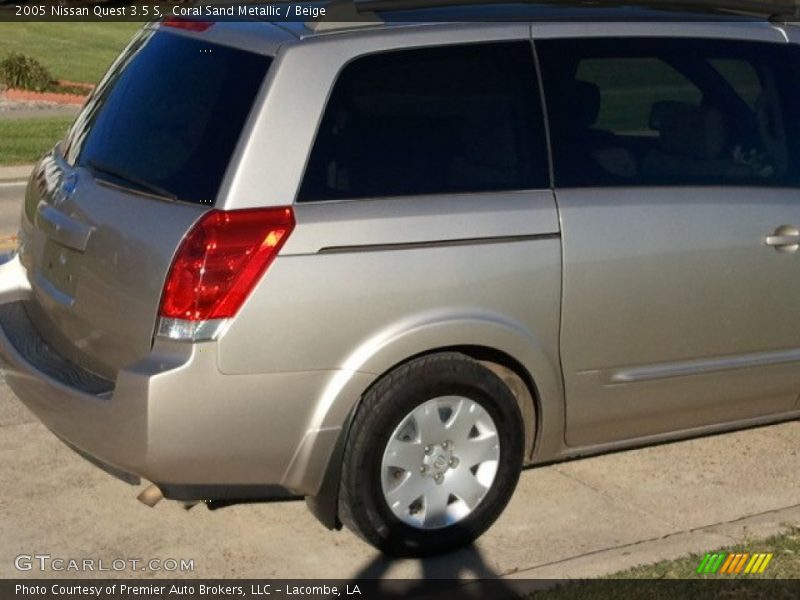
(305, 590)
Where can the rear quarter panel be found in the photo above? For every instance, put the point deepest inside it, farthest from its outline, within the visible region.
(362, 286)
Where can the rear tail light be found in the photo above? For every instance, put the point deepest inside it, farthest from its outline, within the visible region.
(218, 264)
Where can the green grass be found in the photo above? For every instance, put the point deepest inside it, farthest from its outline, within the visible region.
(785, 563)
(73, 51)
(25, 140)
(678, 579)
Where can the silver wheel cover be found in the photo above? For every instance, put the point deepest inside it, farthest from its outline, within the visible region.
(440, 462)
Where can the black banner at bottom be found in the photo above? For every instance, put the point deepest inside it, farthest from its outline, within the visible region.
(368, 589)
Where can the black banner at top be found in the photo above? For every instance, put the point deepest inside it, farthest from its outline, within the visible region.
(143, 11)
(398, 10)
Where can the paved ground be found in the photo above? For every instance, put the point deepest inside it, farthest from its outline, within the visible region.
(27, 110)
(14, 174)
(576, 519)
(10, 198)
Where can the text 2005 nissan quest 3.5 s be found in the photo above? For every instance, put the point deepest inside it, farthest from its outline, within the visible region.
(385, 265)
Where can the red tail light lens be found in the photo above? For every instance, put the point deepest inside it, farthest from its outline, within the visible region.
(221, 260)
(187, 24)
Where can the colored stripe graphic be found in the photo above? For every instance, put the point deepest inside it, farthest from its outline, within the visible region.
(755, 563)
(738, 566)
(729, 563)
(764, 564)
(711, 563)
(734, 564)
(758, 563)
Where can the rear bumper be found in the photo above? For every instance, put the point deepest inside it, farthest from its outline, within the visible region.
(173, 418)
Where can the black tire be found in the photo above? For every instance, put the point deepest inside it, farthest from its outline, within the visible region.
(362, 506)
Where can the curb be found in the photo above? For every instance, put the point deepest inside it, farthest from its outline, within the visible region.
(16, 173)
(669, 547)
(58, 98)
(27, 96)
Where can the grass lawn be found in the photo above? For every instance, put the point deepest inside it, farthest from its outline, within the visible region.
(785, 563)
(24, 140)
(73, 51)
(677, 579)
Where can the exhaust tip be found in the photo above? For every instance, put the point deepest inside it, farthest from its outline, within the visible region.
(151, 495)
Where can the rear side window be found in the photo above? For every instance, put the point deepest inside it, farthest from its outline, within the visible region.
(169, 116)
(672, 112)
(431, 121)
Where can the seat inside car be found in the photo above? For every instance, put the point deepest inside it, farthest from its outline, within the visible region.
(585, 97)
(692, 143)
(587, 147)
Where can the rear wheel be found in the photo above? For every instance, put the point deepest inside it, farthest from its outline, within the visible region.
(433, 456)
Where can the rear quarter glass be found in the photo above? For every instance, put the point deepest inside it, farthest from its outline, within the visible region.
(168, 117)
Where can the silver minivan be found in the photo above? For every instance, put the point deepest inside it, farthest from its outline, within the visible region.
(383, 265)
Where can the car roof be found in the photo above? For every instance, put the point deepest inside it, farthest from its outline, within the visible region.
(347, 16)
(525, 11)
(580, 9)
(343, 17)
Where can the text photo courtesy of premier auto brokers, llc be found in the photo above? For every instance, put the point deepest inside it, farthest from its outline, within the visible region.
(399, 299)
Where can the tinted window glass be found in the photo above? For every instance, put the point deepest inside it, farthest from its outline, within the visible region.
(742, 75)
(169, 116)
(623, 111)
(672, 112)
(431, 121)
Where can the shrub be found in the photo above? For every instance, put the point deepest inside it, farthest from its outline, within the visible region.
(24, 72)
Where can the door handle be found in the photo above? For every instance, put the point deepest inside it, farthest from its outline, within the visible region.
(786, 239)
(782, 240)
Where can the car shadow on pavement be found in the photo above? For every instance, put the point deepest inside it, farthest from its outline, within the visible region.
(461, 574)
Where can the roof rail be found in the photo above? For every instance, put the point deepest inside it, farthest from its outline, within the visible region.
(768, 8)
(343, 14)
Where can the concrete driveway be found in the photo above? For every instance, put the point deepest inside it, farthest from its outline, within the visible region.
(577, 519)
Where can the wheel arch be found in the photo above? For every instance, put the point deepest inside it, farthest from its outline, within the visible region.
(528, 370)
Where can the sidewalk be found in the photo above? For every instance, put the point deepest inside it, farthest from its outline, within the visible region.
(39, 112)
(15, 173)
